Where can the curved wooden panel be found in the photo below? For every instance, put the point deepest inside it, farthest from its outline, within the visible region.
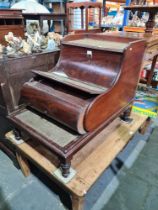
(62, 106)
(91, 65)
(109, 104)
(93, 82)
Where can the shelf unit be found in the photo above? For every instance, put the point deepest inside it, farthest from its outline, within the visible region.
(152, 10)
(58, 7)
(150, 35)
(126, 13)
(84, 16)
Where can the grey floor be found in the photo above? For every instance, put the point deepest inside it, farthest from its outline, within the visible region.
(138, 185)
(131, 182)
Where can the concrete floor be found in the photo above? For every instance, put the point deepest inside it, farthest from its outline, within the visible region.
(138, 185)
(131, 182)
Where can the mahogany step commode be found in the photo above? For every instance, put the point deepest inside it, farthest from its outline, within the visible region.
(93, 82)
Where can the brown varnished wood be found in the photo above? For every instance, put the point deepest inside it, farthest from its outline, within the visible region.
(108, 68)
(63, 106)
(111, 63)
(14, 72)
(110, 36)
(11, 21)
(95, 70)
(122, 92)
(151, 51)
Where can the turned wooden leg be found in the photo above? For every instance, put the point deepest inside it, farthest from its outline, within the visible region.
(149, 80)
(23, 163)
(7, 150)
(77, 202)
(65, 167)
(145, 126)
(150, 23)
(41, 25)
(17, 134)
(126, 115)
(49, 25)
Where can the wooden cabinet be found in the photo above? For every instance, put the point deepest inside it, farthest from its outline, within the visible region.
(11, 21)
(150, 35)
(55, 17)
(15, 72)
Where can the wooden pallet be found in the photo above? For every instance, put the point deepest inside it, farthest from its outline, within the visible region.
(89, 163)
